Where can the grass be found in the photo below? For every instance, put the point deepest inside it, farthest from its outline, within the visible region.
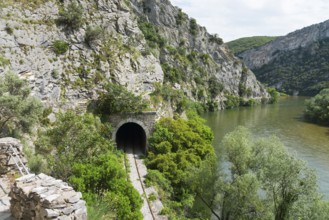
(246, 43)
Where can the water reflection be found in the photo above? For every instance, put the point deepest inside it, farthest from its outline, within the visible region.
(284, 119)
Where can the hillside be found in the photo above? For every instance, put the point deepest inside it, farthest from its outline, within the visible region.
(296, 63)
(150, 47)
(247, 43)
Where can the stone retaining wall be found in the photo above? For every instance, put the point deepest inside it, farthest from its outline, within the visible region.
(40, 197)
(7, 158)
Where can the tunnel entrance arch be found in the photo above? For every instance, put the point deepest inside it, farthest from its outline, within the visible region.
(131, 136)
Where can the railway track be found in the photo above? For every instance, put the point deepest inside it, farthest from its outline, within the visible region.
(137, 180)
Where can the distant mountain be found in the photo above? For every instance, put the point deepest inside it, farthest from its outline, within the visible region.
(297, 63)
(247, 43)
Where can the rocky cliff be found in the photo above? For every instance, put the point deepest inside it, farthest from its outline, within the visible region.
(296, 63)
(67, 66)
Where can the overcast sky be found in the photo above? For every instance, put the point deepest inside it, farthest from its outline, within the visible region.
(232, 19)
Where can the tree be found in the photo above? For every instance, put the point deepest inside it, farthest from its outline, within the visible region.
(79, 151)
(286, 179)
(263, 165)
(178, 148)
(74, 139)
(241, 185)
(118, 99)
(317, 108)
(18, 110)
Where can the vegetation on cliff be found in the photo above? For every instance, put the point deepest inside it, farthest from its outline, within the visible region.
(317, 108)
(117, 99)
(247, 43)
(19, 111)
(303, 71)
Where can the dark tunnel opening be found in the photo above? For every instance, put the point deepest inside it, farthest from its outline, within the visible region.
(131, 137)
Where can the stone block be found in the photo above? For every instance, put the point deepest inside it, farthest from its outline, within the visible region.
(43, 197)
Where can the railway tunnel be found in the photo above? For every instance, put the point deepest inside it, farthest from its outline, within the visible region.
(131, 137)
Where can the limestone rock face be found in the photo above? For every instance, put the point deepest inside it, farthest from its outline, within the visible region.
(295, 63)
(175, 25)
(72, 78)
(257, 57)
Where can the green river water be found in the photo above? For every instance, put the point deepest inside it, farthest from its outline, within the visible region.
(284, 119)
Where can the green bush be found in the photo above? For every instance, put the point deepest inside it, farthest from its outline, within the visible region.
(176, 148)
(9, 29)
(180, 17)
(71, 17)
(118, 99)
(215, 39)
(232, 101)
(60, 47)
(93, 34)
(274, 95)
(79, 150)
(215, 87)
(4, 61)
(74, 139)
(244, 91)
(176, 98)
(317, 108)
(19, 112)
(193, 27)
(151, 34)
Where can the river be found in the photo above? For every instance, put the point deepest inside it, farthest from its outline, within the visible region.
(284, 119)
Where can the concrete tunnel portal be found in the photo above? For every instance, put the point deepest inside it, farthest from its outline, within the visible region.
(131, 137)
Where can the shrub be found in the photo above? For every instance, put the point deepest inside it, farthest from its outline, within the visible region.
(71, 17)
(177, 147)
(9, 29)
(180, 17)
(4, 61)
(55, 73)
(215, 39)
(215, 87)
(19, 112)
(151, 34)
(79, 150)
(244, 91)
(232, 101)
(60, 47)
(193, 27)
(93, 34)
(118, 99)
(274, 95)
(317, 108)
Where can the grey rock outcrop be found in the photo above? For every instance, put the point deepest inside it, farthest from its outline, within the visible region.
(175, 25)
(8, 157)
(41, 197)
(71, 79)
(296, 63)
(257, 57)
